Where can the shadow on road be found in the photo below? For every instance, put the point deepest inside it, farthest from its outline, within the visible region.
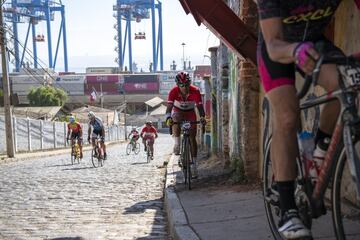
(138, 163)
(159, 217)
(60, 165)
(76, 168)
(67, 238)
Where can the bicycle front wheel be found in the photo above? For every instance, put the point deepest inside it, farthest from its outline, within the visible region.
(137, 148)
(187, 161)
(346, 208)
(128, 148)
(95, 156)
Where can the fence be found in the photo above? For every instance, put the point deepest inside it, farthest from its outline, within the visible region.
(31, 135)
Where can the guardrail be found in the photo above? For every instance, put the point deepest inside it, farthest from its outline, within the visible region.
(31, 135)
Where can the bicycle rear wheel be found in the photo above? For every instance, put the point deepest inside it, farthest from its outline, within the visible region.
(128, 148)
(346, 208)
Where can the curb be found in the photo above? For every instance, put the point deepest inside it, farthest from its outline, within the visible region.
(47, 153)
(178, 225)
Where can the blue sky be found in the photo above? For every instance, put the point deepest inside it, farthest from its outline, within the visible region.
(90, 35)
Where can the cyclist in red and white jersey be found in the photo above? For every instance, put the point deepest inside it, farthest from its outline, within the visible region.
(149, 132)
(182, 100)
(289, 32)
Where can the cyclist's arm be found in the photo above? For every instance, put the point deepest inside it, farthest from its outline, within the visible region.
(89, 130)
(68, 132)
(357, 2)
(80, 131)
(278, 49)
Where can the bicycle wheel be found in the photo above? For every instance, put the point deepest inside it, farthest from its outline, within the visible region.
(148, 153)
(100, 155)
(346, 208)
(271, 196)
(77, 153)
(128, 148)
(187, 166)
(72, 156)
(95, 157)
(137, 148)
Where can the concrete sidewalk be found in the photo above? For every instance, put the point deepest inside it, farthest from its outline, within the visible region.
(221, 211)
(211, 213)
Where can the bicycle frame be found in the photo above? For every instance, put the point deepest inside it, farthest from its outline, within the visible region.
(348, 121)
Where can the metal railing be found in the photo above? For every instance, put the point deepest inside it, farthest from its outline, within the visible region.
(31, 135)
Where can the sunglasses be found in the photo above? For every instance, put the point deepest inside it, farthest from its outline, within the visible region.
(183, 84)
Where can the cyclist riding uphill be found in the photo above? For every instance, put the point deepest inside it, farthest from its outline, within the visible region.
(149, 132)
(97, 126)
(290, 30)
(134, 135)
(182, 100)
(74, 128)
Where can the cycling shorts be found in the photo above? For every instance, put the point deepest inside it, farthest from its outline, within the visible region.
(275, 74)
(184, 116)
(96, 133)
(75, 135)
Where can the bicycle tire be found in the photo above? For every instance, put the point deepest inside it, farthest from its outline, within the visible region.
(270, 195)
(345, 207)
(137, 148)
(94, 159)
(72, 157)
(77, 153)
(187, 162)
(148, 154)
(128, 148)
(100, 155)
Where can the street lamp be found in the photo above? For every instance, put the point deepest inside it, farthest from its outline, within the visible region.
(183, 44)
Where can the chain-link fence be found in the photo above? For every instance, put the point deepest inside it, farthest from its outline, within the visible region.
(30, 134)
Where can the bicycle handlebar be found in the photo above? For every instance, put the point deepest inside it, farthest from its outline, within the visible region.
(338, 60)
(191, 122)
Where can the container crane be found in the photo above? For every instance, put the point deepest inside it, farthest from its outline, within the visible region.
(32, 12)
(136, 10)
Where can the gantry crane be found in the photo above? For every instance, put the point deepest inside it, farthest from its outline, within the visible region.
(32, 12)
(136, 10)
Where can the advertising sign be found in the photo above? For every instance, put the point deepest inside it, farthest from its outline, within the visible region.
(141, 88)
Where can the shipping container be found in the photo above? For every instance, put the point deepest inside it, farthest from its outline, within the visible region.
(144, 88)
(107, 84)
(71, 84)
(101, 70)
(141, 78)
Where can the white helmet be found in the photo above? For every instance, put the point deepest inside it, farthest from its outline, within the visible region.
(91, 114)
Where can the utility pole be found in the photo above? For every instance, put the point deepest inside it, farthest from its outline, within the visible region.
(183, 45)
(7, 108)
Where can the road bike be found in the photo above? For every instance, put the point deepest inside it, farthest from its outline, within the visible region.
(97, 153)
(340, 170)
(149, 153)
(75, 152)
(132, 146)
(186, 158)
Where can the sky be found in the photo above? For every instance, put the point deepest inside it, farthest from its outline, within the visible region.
(90, 36)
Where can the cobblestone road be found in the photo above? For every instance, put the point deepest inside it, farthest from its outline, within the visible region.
(48, 198)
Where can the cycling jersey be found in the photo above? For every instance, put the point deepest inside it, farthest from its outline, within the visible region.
(303, 20)
(75, 127)
(97, 124)
(186, 103)
(148, 132)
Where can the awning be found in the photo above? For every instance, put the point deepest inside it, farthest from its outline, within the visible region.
(161, 110)
(154, 101)
(225, 24)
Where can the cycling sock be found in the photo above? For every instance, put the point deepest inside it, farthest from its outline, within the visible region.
(287, 199)
(322, 139)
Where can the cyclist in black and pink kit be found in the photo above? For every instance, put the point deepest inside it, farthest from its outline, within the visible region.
(289, 32)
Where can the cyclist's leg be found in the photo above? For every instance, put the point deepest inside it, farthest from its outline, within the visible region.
(144, 143)
(151, 143)
(328, 79)
(103, 145)
(80, 147)
(278, 81)
(177, 117)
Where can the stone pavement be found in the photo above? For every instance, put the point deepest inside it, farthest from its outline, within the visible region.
(217, 210)
(48, 198)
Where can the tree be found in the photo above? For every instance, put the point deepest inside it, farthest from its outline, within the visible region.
(47, 96)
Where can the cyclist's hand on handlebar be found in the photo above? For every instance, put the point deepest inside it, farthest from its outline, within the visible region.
(169, 121)
(305, 57)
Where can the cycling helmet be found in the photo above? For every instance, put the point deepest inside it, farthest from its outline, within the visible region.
(71, 119)
(91, 114)
(148, 123)
(182, 78)
(133, 128)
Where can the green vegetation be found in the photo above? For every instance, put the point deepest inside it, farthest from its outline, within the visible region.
(239, 171)
(47, 96)
(1, 93)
